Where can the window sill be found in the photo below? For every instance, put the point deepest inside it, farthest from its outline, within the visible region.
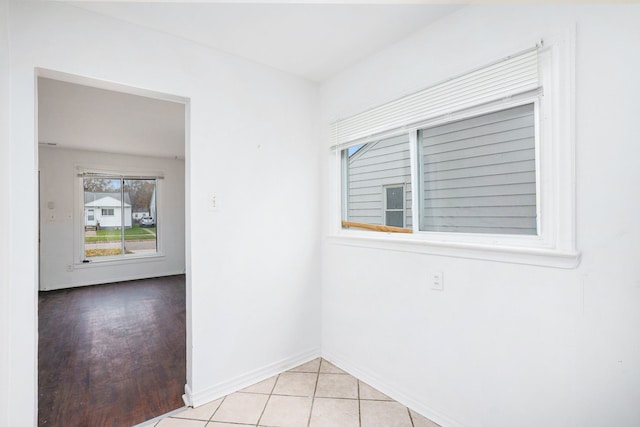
(111, 261)
(538, 256)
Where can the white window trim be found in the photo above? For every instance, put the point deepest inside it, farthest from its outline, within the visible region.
(80, 261)
(555, 244)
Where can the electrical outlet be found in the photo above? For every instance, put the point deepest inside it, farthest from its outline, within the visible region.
(69, 268)
(437, 281)
(214, 203)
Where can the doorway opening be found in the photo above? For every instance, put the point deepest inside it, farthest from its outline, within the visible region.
(113, 276)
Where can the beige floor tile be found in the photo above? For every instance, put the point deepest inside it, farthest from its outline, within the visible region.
(296, 384)
(375, 413)
(178, 422)
(286, 411)
(241, 408)
(369, 393)
(311, 366)
(337, 385)
(216, 424)
(334, 413)
(420, 421)
(202, 412)
(330, 368)
(263, 387)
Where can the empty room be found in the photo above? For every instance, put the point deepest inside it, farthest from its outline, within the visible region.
(111, 306)
(392, 213)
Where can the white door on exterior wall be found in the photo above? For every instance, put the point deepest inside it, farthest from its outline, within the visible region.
(89, 217)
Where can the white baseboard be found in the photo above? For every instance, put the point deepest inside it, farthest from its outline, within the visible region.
(232, 385)
(383, 386)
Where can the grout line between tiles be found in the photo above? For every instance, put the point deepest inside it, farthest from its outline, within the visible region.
(268, 399)
(339, 398)
(359, 405)
(218, 408)
(313, 397)
(411, 417)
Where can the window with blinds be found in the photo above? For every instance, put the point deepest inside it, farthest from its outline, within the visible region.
(478, 175)
(470, 142)
(481, 165)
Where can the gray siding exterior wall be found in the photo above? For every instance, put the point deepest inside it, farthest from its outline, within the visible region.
(478, 175)
(372, 168)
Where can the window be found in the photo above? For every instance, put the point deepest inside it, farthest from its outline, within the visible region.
(116, 231)
(375, 175)
(476, 175)
(394, 205)
(480, 166)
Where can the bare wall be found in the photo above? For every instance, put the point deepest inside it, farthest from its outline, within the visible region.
(6, 324)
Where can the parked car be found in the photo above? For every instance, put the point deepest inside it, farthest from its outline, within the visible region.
(147, 221)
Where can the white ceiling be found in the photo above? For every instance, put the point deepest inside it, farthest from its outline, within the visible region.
(82, 117)
(313, 41)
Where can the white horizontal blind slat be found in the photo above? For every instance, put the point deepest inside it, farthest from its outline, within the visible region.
(506, 78)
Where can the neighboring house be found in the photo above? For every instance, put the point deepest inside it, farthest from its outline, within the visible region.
(379, 183)
(105, 210)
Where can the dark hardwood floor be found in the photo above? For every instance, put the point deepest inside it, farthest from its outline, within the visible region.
(111, 355)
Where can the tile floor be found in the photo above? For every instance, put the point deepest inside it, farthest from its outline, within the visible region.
(315, 394)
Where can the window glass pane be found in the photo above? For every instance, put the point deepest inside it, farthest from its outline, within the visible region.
(395, 198)
(478, 174)
(102, 217)
(394, 218)
(368, 170)
(141, 233)
(119, 216)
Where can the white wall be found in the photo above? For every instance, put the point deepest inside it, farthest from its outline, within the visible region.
(252, 268)
(504, 344)
(59, 184)
(5, 229)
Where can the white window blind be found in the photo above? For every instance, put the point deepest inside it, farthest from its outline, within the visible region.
(513, 75)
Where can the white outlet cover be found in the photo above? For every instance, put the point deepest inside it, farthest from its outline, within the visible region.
(437, 281)
(213, 202)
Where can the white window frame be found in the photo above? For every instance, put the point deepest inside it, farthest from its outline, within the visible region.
(80, 260)
(113, 212)
(555, 243)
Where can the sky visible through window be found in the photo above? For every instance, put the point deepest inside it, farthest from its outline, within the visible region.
(352, 150)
